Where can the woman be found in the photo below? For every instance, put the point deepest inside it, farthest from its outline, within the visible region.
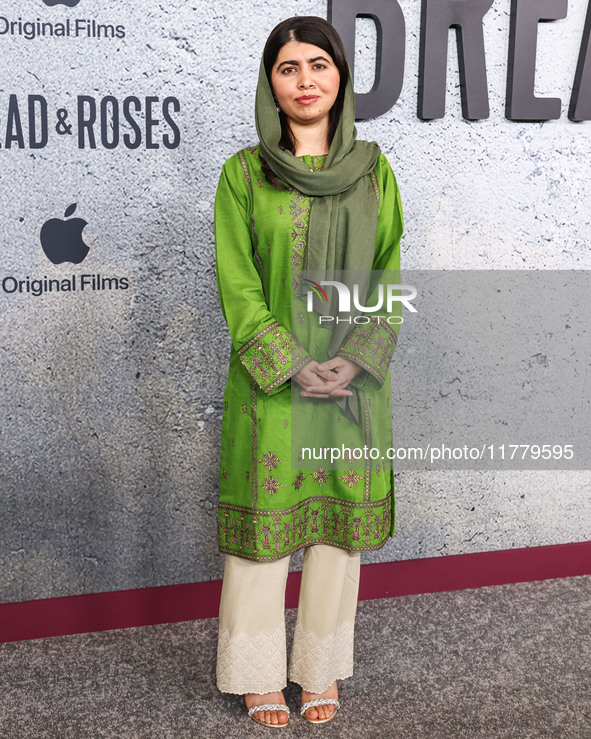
(308, 196)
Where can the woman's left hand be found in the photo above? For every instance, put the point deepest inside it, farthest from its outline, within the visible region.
(344, 371)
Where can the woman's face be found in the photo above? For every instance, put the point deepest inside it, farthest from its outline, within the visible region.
(305, 81)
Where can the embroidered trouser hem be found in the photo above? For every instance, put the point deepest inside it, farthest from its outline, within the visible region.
(252, 655)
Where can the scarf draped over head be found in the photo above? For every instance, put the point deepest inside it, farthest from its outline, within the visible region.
(344, 212)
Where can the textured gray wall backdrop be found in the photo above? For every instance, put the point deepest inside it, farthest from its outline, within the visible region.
(111, 387)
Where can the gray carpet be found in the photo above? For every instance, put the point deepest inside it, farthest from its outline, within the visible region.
(510, 661)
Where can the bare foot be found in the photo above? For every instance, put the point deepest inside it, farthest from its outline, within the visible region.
(320, 712)
(269, 717)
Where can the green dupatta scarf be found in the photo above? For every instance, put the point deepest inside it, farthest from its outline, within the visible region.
(344, 213)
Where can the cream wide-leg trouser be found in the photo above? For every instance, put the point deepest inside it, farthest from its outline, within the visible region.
(251, 642)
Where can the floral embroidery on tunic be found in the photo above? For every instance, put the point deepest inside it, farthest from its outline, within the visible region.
(300, 216)
(258, 263)
(253, 442)
(272, 355)
(367, 426)
(245, 169)
(371, 345)
(271, 484)
(246, 173)
(318, 162)
(270, 460)
(376, 187)
(352, 455)
(320, 475)
(351, 478)
(297, 483)
(262, 535)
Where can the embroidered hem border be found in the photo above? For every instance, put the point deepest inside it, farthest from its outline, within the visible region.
(265, 535)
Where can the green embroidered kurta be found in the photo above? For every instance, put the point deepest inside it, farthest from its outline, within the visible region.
(267, 509)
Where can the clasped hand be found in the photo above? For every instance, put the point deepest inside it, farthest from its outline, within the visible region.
(328, 379)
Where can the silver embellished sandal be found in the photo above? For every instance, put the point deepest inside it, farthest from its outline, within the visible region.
(269, 707)
(320, 702)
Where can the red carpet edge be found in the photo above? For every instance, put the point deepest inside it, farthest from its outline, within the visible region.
(79, 614)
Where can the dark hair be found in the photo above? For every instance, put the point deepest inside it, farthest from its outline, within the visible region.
(307, 29)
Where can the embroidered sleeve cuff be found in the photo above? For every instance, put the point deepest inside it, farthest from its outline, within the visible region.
(371, 345)
(272, 356)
